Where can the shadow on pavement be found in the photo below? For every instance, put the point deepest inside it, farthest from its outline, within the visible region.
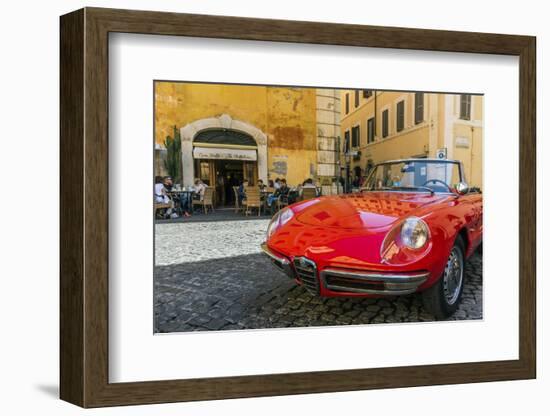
(247, 292)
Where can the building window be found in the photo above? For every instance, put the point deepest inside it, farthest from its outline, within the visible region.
(418, 107)
(346, 141)
(355, 137)
(465, 106)
(385, 123)
(367, 93)
(400, 119)
(347, 103)
(356, 98)
(370, 130)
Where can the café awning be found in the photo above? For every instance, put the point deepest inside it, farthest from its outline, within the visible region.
(226, 154)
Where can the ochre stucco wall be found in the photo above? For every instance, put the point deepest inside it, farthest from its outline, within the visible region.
(441, 128)
(286, 115)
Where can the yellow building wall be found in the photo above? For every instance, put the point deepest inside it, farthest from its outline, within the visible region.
(412, 141)
(472, 130)
(286, 115)
(422, 139)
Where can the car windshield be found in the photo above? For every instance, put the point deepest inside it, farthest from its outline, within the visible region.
(414, 175)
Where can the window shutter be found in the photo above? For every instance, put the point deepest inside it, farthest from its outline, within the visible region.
(465, 106)
(385, 123)
(355, 137)
(400, 115)
(418, 108)
(346, 142)
(370, 130)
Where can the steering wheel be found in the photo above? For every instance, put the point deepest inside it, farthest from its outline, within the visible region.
(438, 181)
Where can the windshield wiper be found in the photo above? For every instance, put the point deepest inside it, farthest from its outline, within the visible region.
(373, 189)
(398, 188)
(424, 188)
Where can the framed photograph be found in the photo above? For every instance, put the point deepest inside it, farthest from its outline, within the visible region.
(255, 207)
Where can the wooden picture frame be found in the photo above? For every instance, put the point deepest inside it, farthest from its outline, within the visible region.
(84, 207)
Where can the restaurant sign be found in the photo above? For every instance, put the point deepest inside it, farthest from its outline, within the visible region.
(227, 154)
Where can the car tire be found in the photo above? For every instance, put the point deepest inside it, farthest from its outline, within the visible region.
(443, 298)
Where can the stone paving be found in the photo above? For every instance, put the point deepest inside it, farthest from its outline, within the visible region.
(195, 241)
(212, 276)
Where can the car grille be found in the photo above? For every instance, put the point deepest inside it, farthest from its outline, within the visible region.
(343, 284)
(307, 273)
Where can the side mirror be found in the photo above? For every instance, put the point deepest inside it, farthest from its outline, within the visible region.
(462, 188)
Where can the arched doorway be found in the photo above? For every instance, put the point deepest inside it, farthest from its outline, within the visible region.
(223, 160)
(221, 151)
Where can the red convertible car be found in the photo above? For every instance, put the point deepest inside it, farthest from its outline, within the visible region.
(410, 229)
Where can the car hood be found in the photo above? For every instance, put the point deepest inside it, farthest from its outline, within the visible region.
(365, 210)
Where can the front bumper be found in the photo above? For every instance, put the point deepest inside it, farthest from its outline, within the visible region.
(280, 262)
(341, 282)
(372, 283)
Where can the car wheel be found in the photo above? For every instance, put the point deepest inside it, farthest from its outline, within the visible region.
(443, 298)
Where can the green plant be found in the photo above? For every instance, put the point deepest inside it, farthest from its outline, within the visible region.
(172, 163)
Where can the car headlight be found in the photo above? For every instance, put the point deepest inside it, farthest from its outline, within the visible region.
(286, 215)
(273, 224)
(278, 220)
(414, 233)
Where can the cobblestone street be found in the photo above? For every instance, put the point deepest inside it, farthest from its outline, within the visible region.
(212, 276)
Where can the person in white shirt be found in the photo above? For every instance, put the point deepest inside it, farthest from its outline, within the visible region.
(199, 188)
(308, 183)
(160, 191)
(162, 198)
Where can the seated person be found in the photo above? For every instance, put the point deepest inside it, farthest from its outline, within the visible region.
(168, 186)
(168, 183)
(281, 192)
(199, 189)
(179, 201)
(283, 188)
(261, 185)
(308, 183)
(160, 191)
(162, 198)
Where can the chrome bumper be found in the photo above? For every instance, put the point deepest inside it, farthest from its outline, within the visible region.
(280, 262)
(372, 283)
(349, 281)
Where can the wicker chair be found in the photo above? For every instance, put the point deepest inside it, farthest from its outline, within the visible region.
(253, 199)
(308, 193)
(282, 201)
(206, 200)
(160, 209)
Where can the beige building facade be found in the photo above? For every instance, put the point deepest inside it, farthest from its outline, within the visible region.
(383, 125)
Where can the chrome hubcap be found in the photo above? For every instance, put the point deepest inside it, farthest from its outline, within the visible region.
(452, 278)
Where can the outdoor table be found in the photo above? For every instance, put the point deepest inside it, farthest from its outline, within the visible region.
(186, 195)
